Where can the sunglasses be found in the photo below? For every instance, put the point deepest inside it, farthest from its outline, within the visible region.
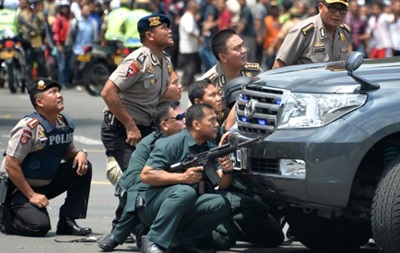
(334, 9)
(179, 116)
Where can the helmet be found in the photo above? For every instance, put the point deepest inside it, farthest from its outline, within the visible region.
(233, 88)
(63, 3)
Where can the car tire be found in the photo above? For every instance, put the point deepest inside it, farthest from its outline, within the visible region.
(385, 215)
(337, 234)
(95, 77)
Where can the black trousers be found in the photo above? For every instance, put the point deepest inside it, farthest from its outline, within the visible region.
(23, 218)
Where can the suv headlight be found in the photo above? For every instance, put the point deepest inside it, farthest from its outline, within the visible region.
(302, 110)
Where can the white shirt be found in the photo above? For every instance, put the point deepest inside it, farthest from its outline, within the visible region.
(187, 26)
(395, 34)
(379, 29)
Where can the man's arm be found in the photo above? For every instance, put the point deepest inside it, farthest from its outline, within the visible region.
(278, 64)
(110, 94)
(156, 177)
(80, 159)
(14, 171)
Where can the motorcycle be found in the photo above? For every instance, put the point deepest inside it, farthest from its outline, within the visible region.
(98, 62)
(12, 57)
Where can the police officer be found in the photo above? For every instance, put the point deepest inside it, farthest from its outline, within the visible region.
(320, 38)
(252, 221)
(231, 54)
(38, 144)
(174, 207)
(135, 88)
(170, 119)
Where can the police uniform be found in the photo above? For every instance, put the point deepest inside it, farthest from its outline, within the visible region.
(166, 208)
(308, 42)
(131, 183)
(217, 76)
(41, 146)
(141, 79)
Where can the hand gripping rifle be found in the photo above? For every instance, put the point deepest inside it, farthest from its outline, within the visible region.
(204, 159)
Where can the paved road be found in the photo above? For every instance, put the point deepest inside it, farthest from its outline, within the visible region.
(86, 112)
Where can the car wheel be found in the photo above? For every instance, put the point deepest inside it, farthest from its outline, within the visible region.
(96, 77)
(385, 218)
(337, 235)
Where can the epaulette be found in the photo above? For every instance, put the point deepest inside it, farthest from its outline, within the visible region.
(33, 123)
(346, 28)
(252, 66)
(211, 78)
(308, 28)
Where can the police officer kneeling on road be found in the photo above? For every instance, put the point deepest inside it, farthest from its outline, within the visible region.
(42, 162)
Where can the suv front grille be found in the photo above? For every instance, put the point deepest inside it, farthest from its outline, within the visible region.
(257, 109)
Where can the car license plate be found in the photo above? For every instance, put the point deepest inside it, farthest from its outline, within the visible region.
(7, 54)
(83, 57)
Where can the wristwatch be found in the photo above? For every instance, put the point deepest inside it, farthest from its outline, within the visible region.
(84, 151)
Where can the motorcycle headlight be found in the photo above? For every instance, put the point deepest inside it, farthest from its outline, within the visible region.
(302, 110)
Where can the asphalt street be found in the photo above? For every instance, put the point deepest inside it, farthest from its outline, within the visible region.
(86, 111)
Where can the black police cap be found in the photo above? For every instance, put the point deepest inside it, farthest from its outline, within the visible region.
(151, 21)
(40, 85)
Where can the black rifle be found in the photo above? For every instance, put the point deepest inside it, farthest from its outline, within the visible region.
(204, 159)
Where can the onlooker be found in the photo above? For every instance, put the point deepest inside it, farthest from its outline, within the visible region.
(320, 38)
(225, 16)
(31, 22)
(38, 144)
(245, 29)
(395, 27)
(82, 33)
(175, 209)
(272, 28)
(260, 12)
(209, 28)
(358, 25)
(60, 34)
(379, 32)
(141, 8)
(134, 89)
(189, 41)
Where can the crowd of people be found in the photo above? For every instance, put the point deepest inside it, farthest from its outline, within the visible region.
(145, 130)
(55, 32)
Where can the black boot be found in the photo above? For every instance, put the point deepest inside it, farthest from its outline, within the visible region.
(108, 243)
(68, 226)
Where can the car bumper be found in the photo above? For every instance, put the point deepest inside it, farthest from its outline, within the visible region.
(329, 156)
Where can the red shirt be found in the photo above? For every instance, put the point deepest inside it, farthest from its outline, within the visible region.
(60, 29)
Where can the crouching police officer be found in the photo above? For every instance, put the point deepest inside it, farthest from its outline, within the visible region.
(33, 161)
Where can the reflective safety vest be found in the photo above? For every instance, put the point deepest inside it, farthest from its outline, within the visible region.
(116, 24)
(9, 20)
(132, 37)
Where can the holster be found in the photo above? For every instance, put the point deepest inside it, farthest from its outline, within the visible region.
(3, 187)
(111, 120)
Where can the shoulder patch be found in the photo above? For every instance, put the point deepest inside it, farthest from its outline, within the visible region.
(346, 28)
(307, 29)
(33, 123)
(25, 137)
(134, 67)
(211, 78)
(252, 66)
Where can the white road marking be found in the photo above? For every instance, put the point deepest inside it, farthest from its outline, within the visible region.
(86, 141)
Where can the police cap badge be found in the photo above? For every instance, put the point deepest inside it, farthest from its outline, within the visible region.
(150, 21)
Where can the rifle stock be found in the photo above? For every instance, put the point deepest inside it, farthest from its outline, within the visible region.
(202, 159)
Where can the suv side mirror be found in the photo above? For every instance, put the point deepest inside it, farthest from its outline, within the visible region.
(353, 62)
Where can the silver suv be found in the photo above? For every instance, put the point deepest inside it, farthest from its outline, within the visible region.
(329, 157)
